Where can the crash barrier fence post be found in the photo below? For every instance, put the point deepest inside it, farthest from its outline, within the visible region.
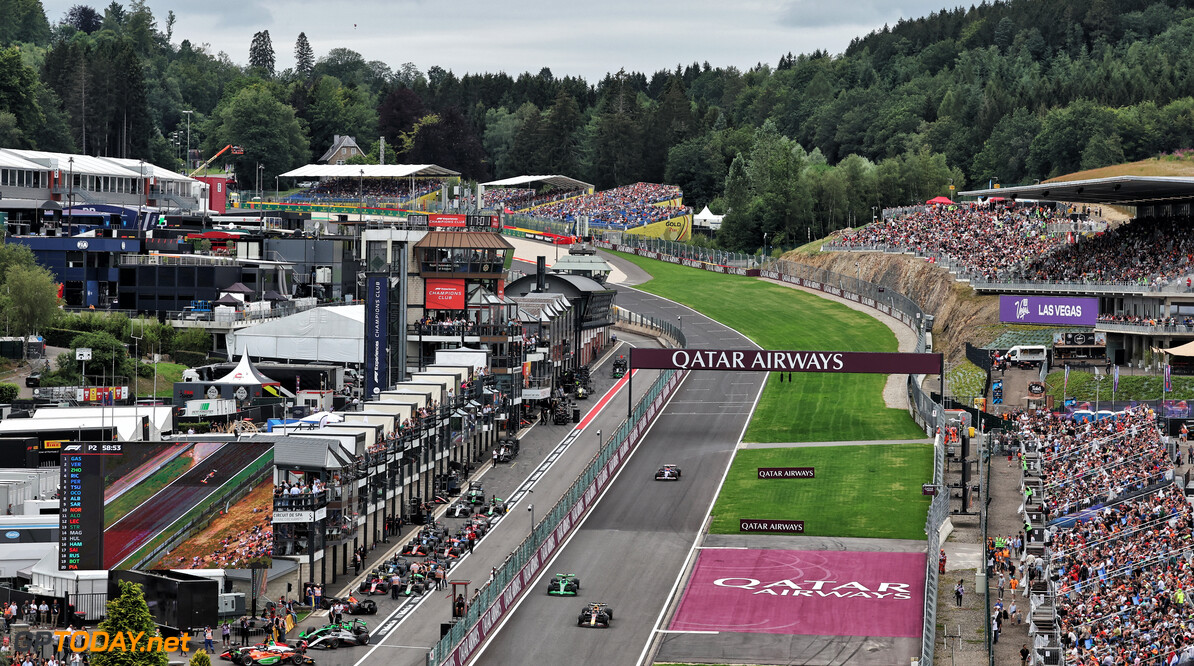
(497, 596)
(928, 413)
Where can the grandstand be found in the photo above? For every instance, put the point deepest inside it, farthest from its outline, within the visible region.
(521, 193)
(372, 184)
(620, 208)
(1038, 239)
(1108, 549)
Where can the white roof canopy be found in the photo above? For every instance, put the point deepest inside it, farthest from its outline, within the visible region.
(557, 180)
(244, 374)
(369, 170)
(334, 334)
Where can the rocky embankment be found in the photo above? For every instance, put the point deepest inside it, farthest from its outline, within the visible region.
(959, 312)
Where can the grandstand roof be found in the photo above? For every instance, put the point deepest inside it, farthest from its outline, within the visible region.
(558, 181)
(1131, 190)
(370, 171)
(14, 158)
(152, 171)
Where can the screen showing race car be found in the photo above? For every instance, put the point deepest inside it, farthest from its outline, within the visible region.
(166, 505)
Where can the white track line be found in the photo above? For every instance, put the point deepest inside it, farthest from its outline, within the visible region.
(559, 551)
(700, 534)
(572, 435)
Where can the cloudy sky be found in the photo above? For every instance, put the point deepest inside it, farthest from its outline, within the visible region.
(587, 39)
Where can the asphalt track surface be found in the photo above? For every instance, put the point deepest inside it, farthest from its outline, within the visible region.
(634, 544)
(156, 514)
(404, 630)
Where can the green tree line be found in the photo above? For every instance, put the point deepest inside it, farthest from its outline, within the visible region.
(1009, 91)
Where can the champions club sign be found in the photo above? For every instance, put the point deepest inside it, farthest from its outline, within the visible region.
(762, 360)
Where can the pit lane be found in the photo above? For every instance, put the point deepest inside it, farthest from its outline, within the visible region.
(551, 457)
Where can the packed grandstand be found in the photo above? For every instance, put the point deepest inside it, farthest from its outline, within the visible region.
(1118, 556)
(1013, 244)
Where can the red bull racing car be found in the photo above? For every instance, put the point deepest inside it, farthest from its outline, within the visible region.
(595, 614)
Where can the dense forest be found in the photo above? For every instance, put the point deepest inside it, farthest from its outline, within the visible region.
(1010, 91)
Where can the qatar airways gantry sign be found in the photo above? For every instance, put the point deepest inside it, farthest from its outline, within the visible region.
(762, 360)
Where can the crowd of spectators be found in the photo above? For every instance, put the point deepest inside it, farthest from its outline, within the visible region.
(1152, 251)
(1121, 583)
(1085, 464)
(1013, 243)
(348, 189)
(240, 550)
(1120, 573)
(506, 196)
(985, 241)
(623, 207)
(1148, 321)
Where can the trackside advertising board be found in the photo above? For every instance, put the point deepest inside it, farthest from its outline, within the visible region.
(376, 330)
(1048, 310)
(492, 616)
(691, 263)
(763, 360)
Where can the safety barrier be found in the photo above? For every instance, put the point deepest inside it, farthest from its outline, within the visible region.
(515, 576)
(928, 413)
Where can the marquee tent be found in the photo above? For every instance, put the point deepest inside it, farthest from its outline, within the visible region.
(939, 200)
(332, 334)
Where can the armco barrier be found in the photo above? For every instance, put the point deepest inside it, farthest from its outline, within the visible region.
(502, 593)
(691, 263)
(927, 413)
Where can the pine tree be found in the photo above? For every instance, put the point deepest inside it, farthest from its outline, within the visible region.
(200, 659)
(126, 613)
(304, 57)
(261, 53)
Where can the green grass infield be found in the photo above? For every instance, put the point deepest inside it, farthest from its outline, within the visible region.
(858, 491)
(813, 407)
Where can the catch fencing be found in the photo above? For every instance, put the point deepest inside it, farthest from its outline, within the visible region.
(928, 413)
(499, 596)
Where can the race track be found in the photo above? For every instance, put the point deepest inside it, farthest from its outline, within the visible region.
(156, 514)
(633, 546)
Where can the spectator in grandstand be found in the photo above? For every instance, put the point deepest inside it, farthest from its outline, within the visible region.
(630, 205)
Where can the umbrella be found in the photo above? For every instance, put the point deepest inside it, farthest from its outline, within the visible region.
(939, 200)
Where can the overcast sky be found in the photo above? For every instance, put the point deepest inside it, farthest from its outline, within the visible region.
(587, 39)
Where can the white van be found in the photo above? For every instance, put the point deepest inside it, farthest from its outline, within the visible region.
(1028, 355)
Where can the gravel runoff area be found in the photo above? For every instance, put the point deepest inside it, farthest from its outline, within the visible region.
(895, 393)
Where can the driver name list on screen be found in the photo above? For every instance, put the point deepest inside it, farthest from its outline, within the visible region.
(81, 521)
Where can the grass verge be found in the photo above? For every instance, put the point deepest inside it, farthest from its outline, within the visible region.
(859, 491)
(136, 496)
(1082, 386)
(813, 407)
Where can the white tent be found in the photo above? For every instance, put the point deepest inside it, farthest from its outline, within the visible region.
(244, 374)
(706, 218)
(334, 334)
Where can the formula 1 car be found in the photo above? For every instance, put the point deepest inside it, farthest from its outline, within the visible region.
(332, 636)
(619, 367)
(354, 606)
(563, 585)
(475, 494)
(668, 473)
(268, 654)
(375, 583)
(416, 549)
(595, 614)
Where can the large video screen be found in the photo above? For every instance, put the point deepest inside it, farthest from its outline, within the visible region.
(166, 505)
